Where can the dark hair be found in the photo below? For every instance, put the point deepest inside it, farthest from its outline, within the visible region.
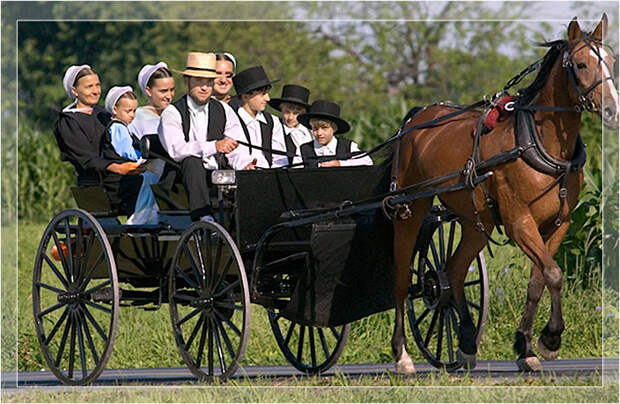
(129, 94)
(87, 71)
(259, 90)
(160, 73)
(222, 56)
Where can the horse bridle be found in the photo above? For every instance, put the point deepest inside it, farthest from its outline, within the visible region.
(584, 96)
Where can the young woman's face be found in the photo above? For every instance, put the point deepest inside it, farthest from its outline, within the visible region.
(322, 133)
(222, 85)
(125, 110)
(161, 93)
(87, 90)
(290, 112)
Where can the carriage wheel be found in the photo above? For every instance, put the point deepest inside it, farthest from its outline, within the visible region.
(432, 311)
(309, 349)
(209, 301)
(75, 297)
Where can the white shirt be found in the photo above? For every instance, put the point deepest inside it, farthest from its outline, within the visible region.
(146, 122)
(330, 149)
(299, 135)
(170, 133)
(277, 138)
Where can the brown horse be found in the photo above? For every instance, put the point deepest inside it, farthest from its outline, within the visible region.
(574, 76)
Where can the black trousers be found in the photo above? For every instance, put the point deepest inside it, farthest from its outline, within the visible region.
(197, 183)
(122, 191)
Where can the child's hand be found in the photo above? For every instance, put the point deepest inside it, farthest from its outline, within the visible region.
(251, 166)
(129, 168)
(331, 163)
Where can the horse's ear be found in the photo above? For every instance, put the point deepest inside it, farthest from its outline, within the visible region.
(574, 31)
(600, 31)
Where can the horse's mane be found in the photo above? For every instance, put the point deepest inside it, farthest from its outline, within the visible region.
(555, 48)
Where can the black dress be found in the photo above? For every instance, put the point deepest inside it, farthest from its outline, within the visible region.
(79, 137)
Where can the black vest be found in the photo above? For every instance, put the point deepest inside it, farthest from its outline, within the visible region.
(343, 152)
(266, 132)
(290, 145)
(215, 125)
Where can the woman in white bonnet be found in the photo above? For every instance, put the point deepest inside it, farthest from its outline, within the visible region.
(157, 83)
(79, 131)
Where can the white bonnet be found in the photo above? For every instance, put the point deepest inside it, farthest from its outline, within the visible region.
(232, 59)
(113, 95)
(69, 79)
(146, 72)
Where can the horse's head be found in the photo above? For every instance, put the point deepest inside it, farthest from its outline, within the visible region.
(589, 64)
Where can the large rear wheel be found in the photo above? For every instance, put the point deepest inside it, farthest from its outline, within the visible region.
(209, 301)
(75, 297)
(433, 315)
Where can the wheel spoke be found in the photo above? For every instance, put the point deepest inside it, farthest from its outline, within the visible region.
(89, 338)
(49, 287)
(89, 273)
(98, 287)
(451, 238)
(61, 254)
(227, 305)
(227, 288)
(69, 248)
(431, 328)
(436, 258)
(323, 342)
(98, 306)
(470, 283)
(183, 297)
(228, 322)
(63, 341)
(206, 326)
(227, 342)
(218, 345)
(186, 277)
(55, 270)
(202, 275)
(79, 250)
(300, 343)
(449, 335)
(442, 250)
(78, 324)
(213, 284)
(193, 263)
(94, 323)
(192, 336)
(51, 309)
(222, 275)
(56, 327)
(474, 305)
(72, 349)
(192, 314)
(83, 261)
(312, 348)
(440, 334)
(289, 333)
(421, 318)
(428, 264)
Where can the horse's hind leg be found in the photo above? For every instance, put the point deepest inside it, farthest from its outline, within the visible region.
(472, 242)
(405, 233)
(545, 271)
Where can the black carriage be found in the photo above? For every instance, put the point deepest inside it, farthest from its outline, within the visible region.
(312, 246)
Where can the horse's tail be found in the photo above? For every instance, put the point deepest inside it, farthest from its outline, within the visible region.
(412, 112)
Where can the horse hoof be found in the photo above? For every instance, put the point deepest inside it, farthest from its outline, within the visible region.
(404, 367)
(547, 354)
(467, 361)
(529, 364)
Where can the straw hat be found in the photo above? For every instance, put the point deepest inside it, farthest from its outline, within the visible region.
(200, 65)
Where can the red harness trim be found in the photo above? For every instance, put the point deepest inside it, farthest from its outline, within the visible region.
(498, 110)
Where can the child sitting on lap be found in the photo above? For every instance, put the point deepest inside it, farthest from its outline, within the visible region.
(121, 102)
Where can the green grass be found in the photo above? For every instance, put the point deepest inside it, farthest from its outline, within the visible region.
(434, 388)
(145, 339)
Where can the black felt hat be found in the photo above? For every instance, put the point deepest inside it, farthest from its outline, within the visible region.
(293, 94)
(323, 109)
(251, 79)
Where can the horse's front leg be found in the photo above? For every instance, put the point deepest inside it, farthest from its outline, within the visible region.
(545, 271)
(472, 242)
(405, 233)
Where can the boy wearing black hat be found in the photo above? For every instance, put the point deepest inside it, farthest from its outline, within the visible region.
(324, 119)
(261, 128)
(294, 101)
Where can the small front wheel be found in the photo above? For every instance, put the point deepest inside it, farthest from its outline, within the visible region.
(309, 349)
(209, 301)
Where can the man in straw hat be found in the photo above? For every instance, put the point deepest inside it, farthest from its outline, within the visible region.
(261, 128)
(201, 133)
(294, 101)
(324, 118)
